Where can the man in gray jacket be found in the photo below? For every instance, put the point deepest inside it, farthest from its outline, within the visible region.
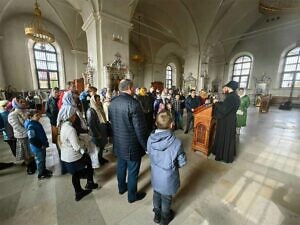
(129, 133)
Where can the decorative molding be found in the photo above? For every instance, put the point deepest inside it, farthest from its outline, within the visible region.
(88, 22)
(74, 51)
(108, 16)
(103, 15)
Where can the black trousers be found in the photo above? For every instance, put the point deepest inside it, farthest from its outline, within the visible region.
(189, 121)
(12, 145)
(80, 169)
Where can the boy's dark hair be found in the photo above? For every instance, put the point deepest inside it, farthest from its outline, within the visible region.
(164, 119)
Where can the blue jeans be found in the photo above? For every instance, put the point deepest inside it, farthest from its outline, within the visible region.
(162, 203)
(133, 168)
(40, 159)
(178, 120)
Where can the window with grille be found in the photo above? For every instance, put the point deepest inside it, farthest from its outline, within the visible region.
(291, 69)
(169, 73)
(241, 70)
(46, 64)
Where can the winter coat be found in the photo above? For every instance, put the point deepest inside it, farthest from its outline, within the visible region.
(166, 156)
(36, 135)
(241, 115)
(128, 127)
(16, 120)
(52, 110)
(97, 130)
(191, 103)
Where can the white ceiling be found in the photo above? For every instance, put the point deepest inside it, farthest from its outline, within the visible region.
(59, 12)
(204, 25)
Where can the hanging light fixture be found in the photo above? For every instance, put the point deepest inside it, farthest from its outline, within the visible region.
(36, 31)
(279, 6)
(138, 57)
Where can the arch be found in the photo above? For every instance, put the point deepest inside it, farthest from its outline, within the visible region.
(240, 69)
(34, 70)
(171, 74)
(290, 67)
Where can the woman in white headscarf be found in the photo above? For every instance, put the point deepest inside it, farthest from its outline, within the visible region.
(73, 155)
(80, 127)
(97, 123)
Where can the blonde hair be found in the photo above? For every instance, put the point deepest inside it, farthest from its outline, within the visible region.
(164, 119)
(143, 91)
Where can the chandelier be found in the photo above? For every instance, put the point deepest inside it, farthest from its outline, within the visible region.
(36, 31)
(138, 58)
(279, 6)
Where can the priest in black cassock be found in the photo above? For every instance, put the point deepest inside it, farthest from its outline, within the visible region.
(224, 147)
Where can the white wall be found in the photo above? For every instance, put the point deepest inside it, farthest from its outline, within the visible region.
(15, 57)
(2, 78)
(156, 71)
(267, 48)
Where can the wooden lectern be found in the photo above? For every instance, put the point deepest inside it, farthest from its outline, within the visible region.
(204, 129)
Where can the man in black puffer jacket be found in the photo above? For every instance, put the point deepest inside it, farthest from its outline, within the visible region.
(129, 138)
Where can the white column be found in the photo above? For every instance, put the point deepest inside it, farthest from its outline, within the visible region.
(2, 77)
(106, 36)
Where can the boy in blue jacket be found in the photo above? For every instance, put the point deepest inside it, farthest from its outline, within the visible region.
(166, 157)
(38, 143)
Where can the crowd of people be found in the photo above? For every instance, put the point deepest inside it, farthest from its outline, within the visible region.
(136, 122)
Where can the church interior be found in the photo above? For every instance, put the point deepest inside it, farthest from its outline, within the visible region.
(179, 44)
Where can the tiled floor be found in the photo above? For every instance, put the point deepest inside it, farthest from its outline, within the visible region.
(262, 186)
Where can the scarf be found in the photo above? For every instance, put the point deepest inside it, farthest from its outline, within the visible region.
(65, 113)
(15, 104)
(99, 110)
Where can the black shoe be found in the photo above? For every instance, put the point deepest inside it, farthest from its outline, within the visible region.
(186, 132)
(81, 194)
(6, 165)
(123, 191)
(157, 216)
(30, 171)
(90, 186)
(44, 175)
(139, 196)
(102, 161)
(48, 171)
(166, 219)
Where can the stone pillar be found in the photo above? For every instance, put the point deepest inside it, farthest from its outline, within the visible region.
(92, 28)
(2, 77)
(80, 57)
(106, 36)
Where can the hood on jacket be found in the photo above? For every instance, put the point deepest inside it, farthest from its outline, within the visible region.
(27, 123)
(161, 140)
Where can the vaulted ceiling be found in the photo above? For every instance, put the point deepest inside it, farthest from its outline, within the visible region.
(208, 26)
(199, 24)
(59, 12)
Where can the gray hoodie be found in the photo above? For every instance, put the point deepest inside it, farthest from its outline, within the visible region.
(166, 156)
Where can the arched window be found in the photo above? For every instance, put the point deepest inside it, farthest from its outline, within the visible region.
(241, 70)
(46, 64)
(291, 69)
(169, 74)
